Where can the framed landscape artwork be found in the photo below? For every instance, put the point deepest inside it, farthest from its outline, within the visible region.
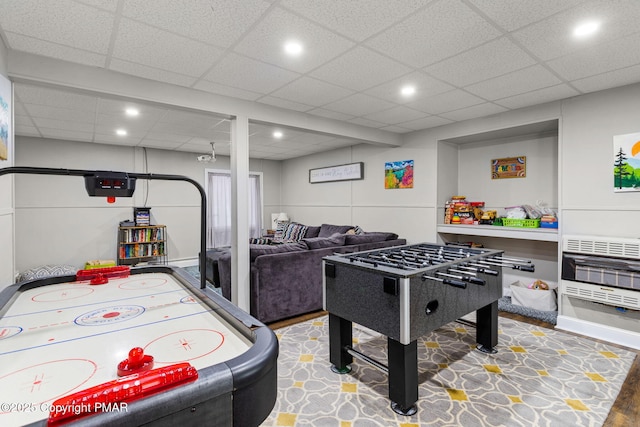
(626, 163)
(398, 174)
(5, 118)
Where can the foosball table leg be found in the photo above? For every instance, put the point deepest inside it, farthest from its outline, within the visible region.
(487, 328)
(340, 338)
(403, 376)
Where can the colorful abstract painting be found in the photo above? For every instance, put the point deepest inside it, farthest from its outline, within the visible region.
(6, 133)
(626, 162)
(398, 174)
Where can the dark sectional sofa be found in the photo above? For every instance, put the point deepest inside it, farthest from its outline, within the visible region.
(286, 278)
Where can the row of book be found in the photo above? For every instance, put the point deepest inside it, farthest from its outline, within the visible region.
(143, 234)
(139, 250)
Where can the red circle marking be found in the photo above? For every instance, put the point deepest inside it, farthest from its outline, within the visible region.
(111, 314)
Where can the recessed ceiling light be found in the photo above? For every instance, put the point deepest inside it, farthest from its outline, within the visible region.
(293, 48)
(277, 134)
(408, 90)
(121, 132)
(586, 29)
(132, 111)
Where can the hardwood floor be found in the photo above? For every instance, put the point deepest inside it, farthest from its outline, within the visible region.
(626, 409)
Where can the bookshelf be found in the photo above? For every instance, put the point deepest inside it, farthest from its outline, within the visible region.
(142, 244)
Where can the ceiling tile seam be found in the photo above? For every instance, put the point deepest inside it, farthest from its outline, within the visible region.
(29, 117)
(512, 39)
(96, 6)
(231, 48)
(114, 33)
(52, 43)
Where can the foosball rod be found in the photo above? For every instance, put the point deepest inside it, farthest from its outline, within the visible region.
(479, 268)
(360, 356)
(530, 268)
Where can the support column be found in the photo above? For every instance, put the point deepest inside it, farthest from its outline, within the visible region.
(240, 212)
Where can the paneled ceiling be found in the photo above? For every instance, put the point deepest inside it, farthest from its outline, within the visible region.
(464, 58)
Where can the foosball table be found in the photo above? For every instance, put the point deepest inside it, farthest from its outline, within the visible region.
(405, 292)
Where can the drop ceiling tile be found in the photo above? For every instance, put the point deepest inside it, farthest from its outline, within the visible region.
(191, 119)
(340, 71)
(368, 123)
(517, 82)
(284, 103)
(599, 59)
(223, 90)
(150, 73)
(109, 5)
(44, 96)
(26, 130)
(539, 96)
(62, 22)
(330, 114)
(395, 115)
(448, 101)
(489, 60)
(441, 30)
(425, 86)
(309, 91)
(52, 50)
(553, 37)
(359, 104)
(473, 112)
(265, 42)
(219, 22)
(142, 44)
(63, 124)
(47, 112)
(246, 73)
(357, 19)
(396, 129)
(426, 123)
(620, 77)
(66, 134)
(520, 13)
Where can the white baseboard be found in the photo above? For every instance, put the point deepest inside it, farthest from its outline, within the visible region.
(602, 332)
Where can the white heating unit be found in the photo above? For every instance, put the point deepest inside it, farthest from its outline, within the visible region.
(600, 288)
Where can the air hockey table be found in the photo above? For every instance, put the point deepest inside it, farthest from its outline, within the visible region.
(146, 348)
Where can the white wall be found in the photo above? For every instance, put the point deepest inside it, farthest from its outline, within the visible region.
(58, 223)
(589, 204)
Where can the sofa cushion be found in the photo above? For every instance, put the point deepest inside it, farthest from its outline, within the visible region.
(325, 242)
(327, 230)
(256, 250)
(312, 231)
(290, 232)
(358, 239)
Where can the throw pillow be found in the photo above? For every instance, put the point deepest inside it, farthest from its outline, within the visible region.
(327, 230)
(325, 242)
(280, 227)
(46, 271)
(293, 232)
(312, 231)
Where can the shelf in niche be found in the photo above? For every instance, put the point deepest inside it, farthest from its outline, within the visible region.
(540, 234)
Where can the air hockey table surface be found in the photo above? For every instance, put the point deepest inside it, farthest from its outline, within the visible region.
(59, 336)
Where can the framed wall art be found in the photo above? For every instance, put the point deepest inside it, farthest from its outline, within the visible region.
(6, 132)
(509, 167)
(348, 172)
(626, 162)
(398, 174)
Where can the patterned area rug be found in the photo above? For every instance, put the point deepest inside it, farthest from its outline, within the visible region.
(538, 377)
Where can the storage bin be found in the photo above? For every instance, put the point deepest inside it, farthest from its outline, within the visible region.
(546, 224)
(537, 299)
(526, 223)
